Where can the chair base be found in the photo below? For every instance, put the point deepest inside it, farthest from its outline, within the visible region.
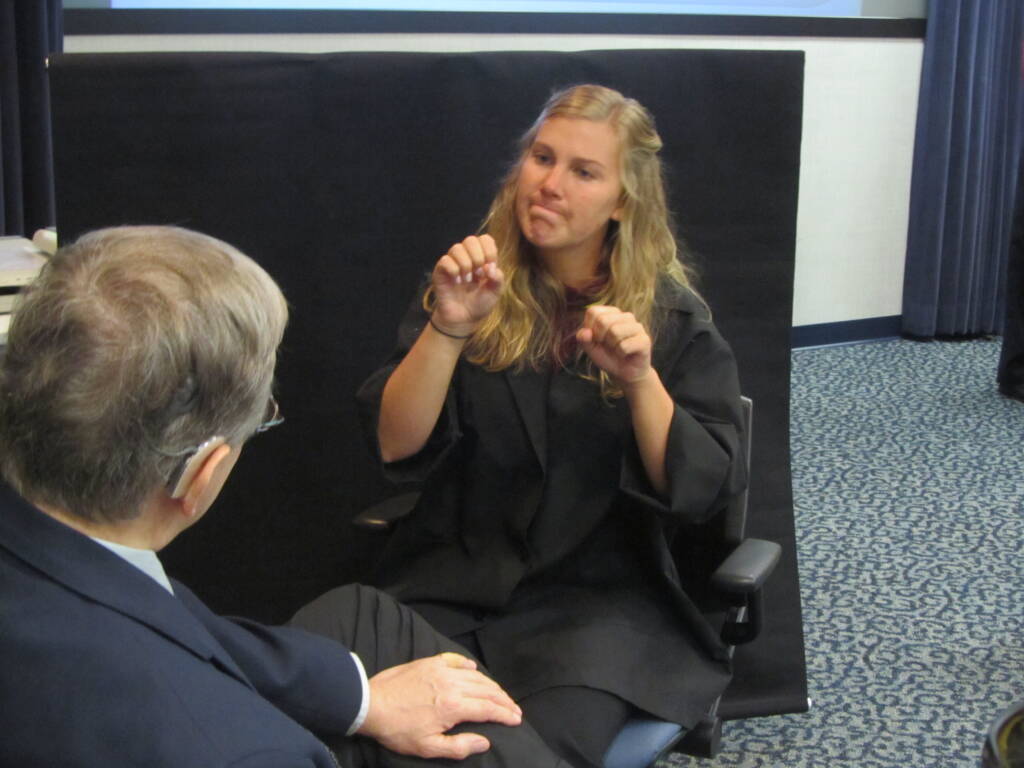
(703, 740)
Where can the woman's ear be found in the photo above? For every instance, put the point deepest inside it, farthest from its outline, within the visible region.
(617, 213)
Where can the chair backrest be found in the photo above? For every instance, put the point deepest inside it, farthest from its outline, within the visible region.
(735, 515)
(699, 549)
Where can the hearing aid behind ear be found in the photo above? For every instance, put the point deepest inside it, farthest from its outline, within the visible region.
(192, 466)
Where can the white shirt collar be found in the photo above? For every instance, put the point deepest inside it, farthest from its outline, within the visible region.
(143, 559)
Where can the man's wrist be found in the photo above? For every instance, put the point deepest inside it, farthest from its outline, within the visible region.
(364, 707)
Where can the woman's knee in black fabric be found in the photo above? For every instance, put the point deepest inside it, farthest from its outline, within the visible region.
(577, 722)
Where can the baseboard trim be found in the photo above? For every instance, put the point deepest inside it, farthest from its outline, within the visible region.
(847, 332)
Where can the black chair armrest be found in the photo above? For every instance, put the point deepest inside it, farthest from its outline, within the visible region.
(383, 515)
(747, 568)
(739, 579)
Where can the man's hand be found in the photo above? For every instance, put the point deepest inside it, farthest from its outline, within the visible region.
(412, 706)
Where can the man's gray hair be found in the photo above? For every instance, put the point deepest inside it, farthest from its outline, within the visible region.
(132, 345)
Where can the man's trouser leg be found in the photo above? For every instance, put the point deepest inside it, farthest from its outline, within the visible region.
(383, 634)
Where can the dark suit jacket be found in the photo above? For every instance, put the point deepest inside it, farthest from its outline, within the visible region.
(550, 542)
(101, 666)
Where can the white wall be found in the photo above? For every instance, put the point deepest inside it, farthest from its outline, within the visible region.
(860, 104)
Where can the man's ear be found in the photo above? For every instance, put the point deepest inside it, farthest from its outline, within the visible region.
(204, 477)
(198, 465)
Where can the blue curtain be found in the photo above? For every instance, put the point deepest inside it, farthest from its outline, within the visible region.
(965, 168)
(30, 30)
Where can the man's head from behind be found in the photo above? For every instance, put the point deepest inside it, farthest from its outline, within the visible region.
(134, 346)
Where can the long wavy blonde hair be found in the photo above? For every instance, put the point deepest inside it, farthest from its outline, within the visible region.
(521, 330)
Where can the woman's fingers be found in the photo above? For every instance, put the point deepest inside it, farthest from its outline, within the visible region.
(611, 327)
(464, 259)
(616, 341)
(472, 256)
(448, 268)
(490, 248)
(467, 283)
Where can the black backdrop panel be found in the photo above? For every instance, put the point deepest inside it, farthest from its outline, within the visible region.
(346, 176)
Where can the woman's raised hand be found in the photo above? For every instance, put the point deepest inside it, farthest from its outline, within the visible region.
(617, 343)
(466, 281)
(621, 347)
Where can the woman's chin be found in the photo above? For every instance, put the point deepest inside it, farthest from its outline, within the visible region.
(539, 234)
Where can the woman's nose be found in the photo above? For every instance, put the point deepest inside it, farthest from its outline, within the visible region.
(552, 183)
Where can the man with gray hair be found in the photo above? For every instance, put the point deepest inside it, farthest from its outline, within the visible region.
(137, 366)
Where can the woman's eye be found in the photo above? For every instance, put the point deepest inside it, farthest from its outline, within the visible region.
(542, 158)
(583, 173)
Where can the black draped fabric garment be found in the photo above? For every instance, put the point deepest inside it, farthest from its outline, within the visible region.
(538, 529)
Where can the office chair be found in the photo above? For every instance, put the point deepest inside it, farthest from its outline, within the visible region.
(737, 581)
(1004, 742)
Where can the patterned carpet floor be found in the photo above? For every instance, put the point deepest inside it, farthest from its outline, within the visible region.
(908, 481)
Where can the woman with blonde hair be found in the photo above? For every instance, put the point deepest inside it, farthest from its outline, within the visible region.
(568, 405)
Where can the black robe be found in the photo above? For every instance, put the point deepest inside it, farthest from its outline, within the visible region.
(539, 529)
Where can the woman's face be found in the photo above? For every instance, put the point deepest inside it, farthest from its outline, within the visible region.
(569, 187)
